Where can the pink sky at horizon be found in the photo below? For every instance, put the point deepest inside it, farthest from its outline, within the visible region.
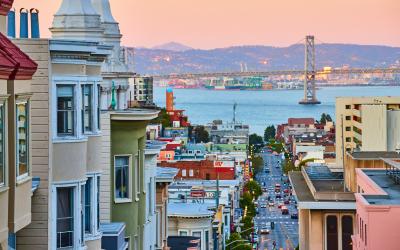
(208, 24)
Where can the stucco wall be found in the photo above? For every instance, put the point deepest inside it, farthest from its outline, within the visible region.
(374, 133)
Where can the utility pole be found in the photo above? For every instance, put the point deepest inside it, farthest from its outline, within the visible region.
(309, 72)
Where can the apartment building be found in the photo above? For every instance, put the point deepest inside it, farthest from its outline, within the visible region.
(367, 124)
(141, 91)
(16, 70)
(66, 134)
(326, 209)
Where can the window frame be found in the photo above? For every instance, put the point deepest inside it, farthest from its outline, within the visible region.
(74, 132)
(183, 231)
(3, 139)
(91, 108)
(339, 217)
(94, 206)
(27, 139)
(129, 198)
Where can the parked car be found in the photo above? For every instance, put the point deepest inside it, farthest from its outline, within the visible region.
(286, 191)
(294, 215)
(286, 202)
(271, 204)
(263, 206)
(280, 205)
(278, 195)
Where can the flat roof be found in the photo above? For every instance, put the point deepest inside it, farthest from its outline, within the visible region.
(165, 174)
(205, 183)
(189, 210)
(373, 155)
(386, 183)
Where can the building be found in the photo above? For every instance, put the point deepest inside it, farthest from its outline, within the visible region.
(16, 182)
(372, 159)
(190, 219)
(202, 169)
(164, 177)
(228, 133)
(66, 136)
(326, 210)
(378, 208)
(177, 117)
(367, 124)
(141, 91)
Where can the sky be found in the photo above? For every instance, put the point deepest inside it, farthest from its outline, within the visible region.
(207, 24)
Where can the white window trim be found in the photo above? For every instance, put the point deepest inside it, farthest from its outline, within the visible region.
(24, 177)
(77, 190)
(138, 184)
(129, 199)
(77, 83)
(3, 105)
(93, 108)
(96, 233)
(183, 230)
(339, 217)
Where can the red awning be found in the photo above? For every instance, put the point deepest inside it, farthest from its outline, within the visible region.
(5, 6)
(14, 64)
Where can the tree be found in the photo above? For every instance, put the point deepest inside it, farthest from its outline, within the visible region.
(256, 142)
(253, 188)
(325, 118)
(234, 237)
(200, 134)
(247, 224)
(269, 133)
(288, 166)
(163, 119)
(246, 200)
(257, 164)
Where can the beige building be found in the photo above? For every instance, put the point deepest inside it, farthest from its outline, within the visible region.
(367, 124)
(326, 211)
(16, 70)
(66, 135)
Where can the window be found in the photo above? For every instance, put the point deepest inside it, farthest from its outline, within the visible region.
(22, 137)
(65, 110)
(98, 202)
(198, 234)
(348, 139)
(121, 171)
(348, 106)
(183, 233)
(88, 205)
(98, 107)
(150, 196)
(87, 96)
(331, 232)
(347, 231)
(365, 234)
(191, 172)
(65, 217)
(2, 146)
(348, 128)
(137, 175)
(207, 176)
(348, 118)
(207, 239)
(183, 172)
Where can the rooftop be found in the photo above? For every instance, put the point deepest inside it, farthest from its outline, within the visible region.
(373, 155)
(387, 184)
(166, 174)
(134, 114)
(204, 183)
(189, 210)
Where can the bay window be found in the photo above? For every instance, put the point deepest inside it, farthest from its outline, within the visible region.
(87, 108)
(91, 205)
(121, 172)
(98, 106)
(88, 205)
(22, 139)
(65, 110)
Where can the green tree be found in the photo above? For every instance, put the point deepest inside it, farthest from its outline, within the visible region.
(234, 237)
(303, 163)
(328, 118)
(200, 134)
(257, 163)
(256, 142)
(254, 189)
(288, 166)
(247, 224)
(246, 200)
(163, 119)
(323, 119)
(269, 133)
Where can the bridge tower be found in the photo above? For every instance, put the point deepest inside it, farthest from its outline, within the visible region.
(309, 73)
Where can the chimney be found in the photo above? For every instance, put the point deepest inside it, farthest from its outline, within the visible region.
(23, 32)
(11, 23)
(35, 33)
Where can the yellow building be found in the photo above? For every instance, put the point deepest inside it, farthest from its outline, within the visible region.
(367, 124)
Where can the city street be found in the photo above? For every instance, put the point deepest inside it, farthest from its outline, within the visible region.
(285, 231)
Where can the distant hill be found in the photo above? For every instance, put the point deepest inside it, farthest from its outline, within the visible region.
(172, 46)
(174, 60)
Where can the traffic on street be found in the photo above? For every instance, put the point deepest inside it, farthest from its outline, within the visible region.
(276, 222)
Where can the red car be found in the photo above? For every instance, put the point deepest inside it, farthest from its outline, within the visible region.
(280, 205)
(286, 191)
